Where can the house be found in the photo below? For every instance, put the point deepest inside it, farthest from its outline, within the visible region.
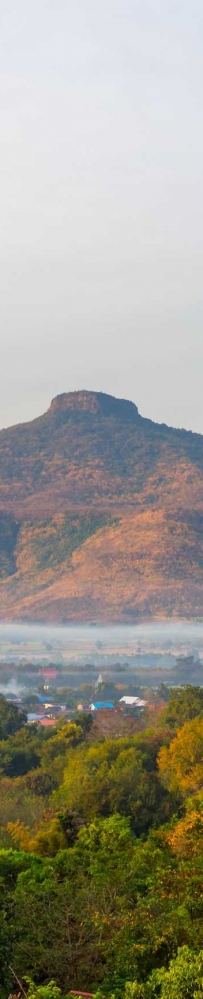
(49, 673)
(33, 717)
(47, 704)
(100, 705)
(132, 702)
(47, 722)
(43, 700)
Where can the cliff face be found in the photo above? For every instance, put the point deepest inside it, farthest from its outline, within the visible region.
(101, 515)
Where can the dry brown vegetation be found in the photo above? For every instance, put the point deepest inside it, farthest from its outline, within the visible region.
(101, 515)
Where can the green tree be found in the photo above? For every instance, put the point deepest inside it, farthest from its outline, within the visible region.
(5, 946)
(20, 752)
(11, 719)
(109, 777)
(183, 979)
(50, 991)
(184, 703)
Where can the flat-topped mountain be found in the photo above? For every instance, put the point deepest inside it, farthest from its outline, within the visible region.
(101, 515)
(94, 402)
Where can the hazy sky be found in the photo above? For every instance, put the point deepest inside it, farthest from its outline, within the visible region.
(101, 204)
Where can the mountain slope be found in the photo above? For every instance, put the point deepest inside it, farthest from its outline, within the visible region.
(101, 515)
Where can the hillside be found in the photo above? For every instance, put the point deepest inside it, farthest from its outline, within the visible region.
(101, 515)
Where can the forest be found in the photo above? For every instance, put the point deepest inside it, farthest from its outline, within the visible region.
(101, 854)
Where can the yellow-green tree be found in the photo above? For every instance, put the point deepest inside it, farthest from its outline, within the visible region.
(181, 763)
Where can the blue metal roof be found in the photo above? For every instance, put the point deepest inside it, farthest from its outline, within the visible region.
(102, 704)
(45, 700)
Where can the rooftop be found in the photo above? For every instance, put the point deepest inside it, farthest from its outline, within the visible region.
(135, 702)
(96, 705)
(47, 721)
(32, 716)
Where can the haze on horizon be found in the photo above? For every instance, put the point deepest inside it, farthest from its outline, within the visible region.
(84, 636)
(101, 205)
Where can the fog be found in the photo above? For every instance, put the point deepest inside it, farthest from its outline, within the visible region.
(80, 641)
(12, 687)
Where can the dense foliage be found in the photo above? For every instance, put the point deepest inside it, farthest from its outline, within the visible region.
(101, 856)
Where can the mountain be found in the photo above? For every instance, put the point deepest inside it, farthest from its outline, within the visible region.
(101, 515)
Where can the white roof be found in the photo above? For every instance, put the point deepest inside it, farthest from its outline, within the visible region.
(133, 700)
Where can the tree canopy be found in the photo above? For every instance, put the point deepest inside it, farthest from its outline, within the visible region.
(101, 859)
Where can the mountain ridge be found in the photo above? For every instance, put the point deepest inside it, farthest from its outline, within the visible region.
(64, 400)
(101, 514)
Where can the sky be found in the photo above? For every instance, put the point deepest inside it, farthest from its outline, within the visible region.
(101, 205)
